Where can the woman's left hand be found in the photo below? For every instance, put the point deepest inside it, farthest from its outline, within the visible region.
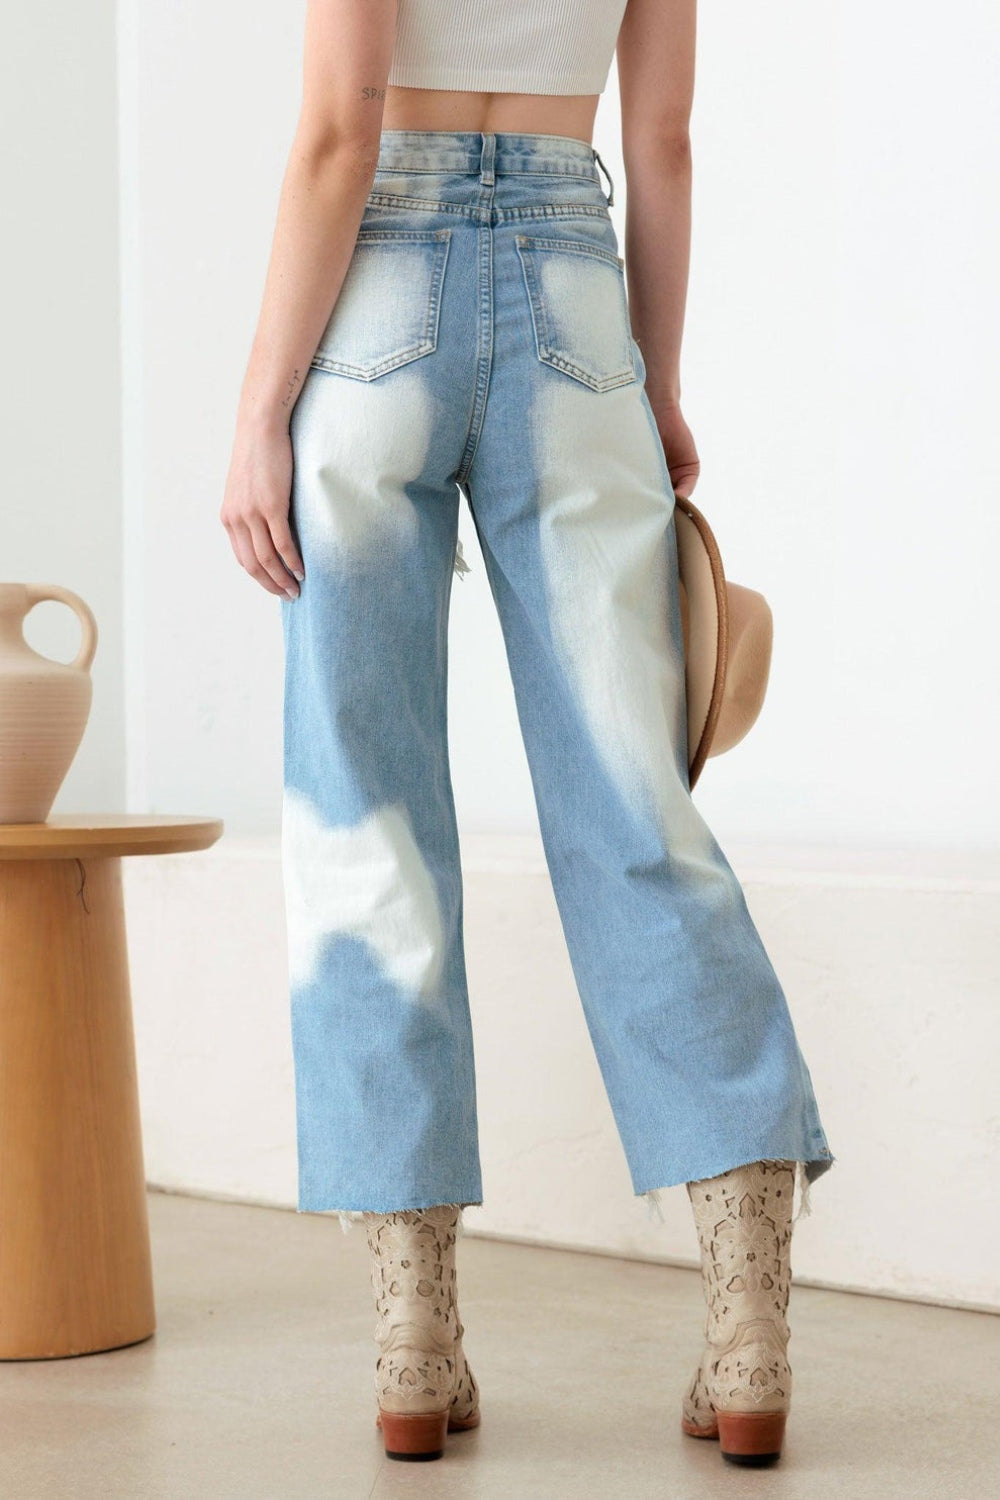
(679, 450)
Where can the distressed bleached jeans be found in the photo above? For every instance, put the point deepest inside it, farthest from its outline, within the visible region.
(481, 347)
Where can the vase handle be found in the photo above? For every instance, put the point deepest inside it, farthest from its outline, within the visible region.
(37, 592)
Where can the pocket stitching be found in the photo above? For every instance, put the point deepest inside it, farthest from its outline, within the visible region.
(427, 342)
(577, 247)
(547, 355)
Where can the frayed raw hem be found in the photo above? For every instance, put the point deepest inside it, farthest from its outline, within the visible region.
(350, 1216)
(806, 1173)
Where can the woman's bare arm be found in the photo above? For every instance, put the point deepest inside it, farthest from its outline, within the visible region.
(331, 166)
(656, 66)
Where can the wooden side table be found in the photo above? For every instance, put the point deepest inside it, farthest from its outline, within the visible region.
(75, 1268)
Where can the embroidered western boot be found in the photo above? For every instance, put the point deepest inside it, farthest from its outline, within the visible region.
(423, 1383)
(741, 1393)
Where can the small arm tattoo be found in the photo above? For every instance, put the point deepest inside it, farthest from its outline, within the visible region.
(293, 384)
(372, 93)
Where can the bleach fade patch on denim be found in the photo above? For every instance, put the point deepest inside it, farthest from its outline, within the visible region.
(368, 880)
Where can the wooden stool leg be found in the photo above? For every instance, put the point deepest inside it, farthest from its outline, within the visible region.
(75, 1270)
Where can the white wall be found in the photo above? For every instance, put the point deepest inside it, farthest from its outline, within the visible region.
(842, 374)
(209, 102)
(60, 370)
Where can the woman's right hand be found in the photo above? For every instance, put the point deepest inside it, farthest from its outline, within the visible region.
(256, 506)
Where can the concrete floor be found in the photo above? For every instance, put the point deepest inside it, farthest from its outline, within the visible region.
(258, 1383)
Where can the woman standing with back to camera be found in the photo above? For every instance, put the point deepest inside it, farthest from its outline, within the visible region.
(445, 314)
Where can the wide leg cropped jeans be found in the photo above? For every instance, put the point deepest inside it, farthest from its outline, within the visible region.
(481, 347)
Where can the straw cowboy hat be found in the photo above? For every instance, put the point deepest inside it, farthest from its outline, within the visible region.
(727, 643)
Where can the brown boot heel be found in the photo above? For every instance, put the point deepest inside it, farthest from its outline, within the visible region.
(752, 1438)
(413, 1436)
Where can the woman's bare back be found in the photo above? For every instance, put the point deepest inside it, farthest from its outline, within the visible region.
(468, 109)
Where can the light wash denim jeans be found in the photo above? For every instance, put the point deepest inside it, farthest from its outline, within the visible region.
(481, 346)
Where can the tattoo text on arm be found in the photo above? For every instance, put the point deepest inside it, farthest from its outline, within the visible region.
(293, 384)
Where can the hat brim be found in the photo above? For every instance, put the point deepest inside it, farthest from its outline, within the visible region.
(705, 623)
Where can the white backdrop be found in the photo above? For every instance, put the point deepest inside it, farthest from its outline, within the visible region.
(60, 366)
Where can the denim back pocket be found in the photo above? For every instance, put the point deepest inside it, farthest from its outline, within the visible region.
(579, 309)
(387, 311)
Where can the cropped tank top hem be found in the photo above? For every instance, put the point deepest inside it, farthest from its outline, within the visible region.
(509, 46)
(497, 80)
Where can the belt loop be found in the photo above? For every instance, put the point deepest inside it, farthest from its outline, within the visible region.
(487, 156)
(611, 186)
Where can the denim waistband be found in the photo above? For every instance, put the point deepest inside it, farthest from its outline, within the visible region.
(490, 153)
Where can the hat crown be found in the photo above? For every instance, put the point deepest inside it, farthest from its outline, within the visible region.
(728, 633)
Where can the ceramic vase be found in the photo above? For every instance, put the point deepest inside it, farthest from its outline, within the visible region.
(44, 704)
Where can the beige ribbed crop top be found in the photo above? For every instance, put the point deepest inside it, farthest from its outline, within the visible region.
(511, 46)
